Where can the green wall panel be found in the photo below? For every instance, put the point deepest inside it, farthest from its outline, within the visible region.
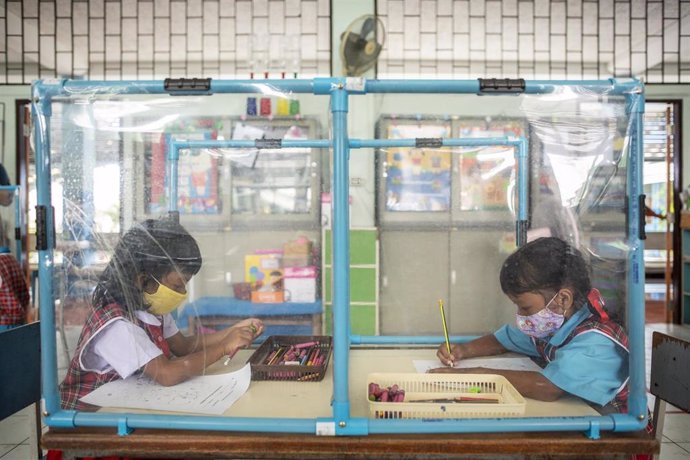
(362, 317)
(363, 281)
(362, 247)
(362, 284)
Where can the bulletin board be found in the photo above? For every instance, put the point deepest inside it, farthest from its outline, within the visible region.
(418, 179)
(459, 185)
(198, 171)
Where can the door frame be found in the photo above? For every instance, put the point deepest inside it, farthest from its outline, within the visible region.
(22, 150)
(677, 204)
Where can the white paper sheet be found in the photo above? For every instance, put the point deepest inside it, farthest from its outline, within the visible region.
(208, 394)
(517, 363)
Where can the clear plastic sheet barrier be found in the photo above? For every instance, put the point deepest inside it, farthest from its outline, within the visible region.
(189, 226)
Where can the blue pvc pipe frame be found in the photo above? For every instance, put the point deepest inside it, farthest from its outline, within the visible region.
(341, 423)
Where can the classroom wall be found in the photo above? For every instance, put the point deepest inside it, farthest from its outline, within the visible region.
(534, 39)
(126, 40)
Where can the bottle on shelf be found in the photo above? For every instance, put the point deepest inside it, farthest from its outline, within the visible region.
(265, 106)
(282, 106)
(294, 107)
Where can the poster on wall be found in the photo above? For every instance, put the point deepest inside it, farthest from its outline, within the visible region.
(418, 179)
(198, 186)
(485, 177)
(486, 173)
(197, 171)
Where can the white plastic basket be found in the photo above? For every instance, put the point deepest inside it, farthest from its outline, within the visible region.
(446, 386)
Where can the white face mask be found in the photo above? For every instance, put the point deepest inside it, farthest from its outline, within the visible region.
(541, 324)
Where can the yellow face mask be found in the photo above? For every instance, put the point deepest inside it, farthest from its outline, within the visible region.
(164, 300)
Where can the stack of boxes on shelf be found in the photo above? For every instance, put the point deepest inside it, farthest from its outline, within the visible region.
(264, 271)
(275, 276)
(300, 271)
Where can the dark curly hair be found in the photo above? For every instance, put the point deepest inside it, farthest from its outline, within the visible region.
(154, 247)
(544, 266)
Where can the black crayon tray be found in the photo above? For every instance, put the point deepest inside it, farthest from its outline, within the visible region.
(261, 370)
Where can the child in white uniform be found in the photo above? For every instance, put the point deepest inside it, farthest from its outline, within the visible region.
(130, 327)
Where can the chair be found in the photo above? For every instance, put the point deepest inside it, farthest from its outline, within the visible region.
(670, 376)
(20, 377)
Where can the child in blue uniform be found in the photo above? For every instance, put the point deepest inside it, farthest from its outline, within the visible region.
(561, 324)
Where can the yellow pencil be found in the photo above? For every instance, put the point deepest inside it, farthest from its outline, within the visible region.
(445, 327)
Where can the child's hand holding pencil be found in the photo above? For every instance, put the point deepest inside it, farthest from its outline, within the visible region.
(447, 357)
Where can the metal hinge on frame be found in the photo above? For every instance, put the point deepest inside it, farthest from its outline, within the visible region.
(501, 85)
(42, 227)
(187, 86)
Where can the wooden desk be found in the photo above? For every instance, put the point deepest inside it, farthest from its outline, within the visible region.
(312, 399)
(216, 445)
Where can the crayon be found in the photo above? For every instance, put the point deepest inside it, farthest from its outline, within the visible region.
(270, 356)
(278, 356)
(314, 356)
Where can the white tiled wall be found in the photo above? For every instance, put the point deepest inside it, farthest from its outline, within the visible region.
(153, 39)
(536, 39)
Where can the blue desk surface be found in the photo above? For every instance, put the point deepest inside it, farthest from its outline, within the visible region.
(230, 306)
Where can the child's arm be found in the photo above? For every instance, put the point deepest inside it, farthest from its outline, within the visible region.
(483, 346)
(529, 384)
(182, 345)
(169, 372)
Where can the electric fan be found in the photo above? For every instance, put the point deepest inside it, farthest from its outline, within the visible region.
(361, 44)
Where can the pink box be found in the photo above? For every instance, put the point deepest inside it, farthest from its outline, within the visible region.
(300, 272)
(299, 284)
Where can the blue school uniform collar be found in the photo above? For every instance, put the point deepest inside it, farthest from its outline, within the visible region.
(561, 334)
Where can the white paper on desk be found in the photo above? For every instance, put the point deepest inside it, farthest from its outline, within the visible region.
(207, 394)
(521, 363)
